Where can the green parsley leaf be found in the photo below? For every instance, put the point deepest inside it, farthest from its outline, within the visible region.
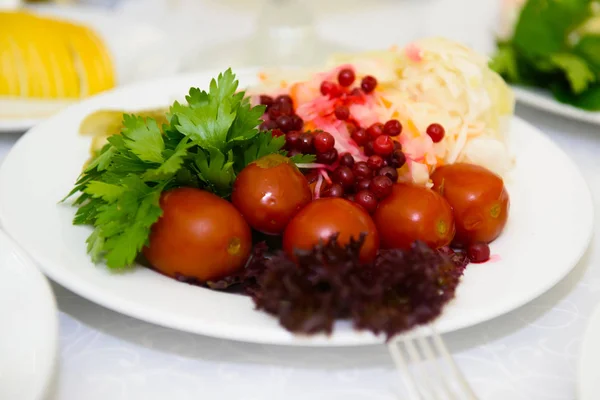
(102, 159)
(263, 144)
(303, 158)
(216, 170)
(172, 164)
(143, 138)
(106, 191)
(245, 125)
(207, 117)
(124, 225)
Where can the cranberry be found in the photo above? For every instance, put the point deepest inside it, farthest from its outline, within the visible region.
(330, 89)
(344, 176)
(342, 113)
(294, 152)
(267, 125)
(328, 157)
(390, 173)
(381, 186)
(347, 160)
(292, 140)
(478, 252)
(375, 162)
(368, 84)
(285, 123)
(335, 190)
(274, 112)
(399, 159)
(383, 145)
(436, 132)
(362, 184)
(356, 92)
(277, 132)
(397, 145)
(297, 122)
(346, 77)
(279, 109)
(266, 100)
(367, 200)
(392, 128)
(349, 197)
(375, 130)
(326, 87)
(369, 149)
(306, 143)
(284, 99)
(362, 171)
(360, 137)
(324, 142)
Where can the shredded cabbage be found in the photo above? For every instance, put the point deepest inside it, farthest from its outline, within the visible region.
(433, 80)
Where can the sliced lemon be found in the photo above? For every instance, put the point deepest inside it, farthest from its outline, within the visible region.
(48, 58)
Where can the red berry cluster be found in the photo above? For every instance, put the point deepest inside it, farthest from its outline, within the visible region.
(364, 182)
(280, 117)
(345, 79)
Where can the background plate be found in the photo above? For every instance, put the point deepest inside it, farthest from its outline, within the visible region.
(29, 320)
(543, 100)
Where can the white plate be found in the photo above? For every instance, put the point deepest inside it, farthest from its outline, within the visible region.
(29, 332)
(588, 383)
(140, 51)
(43, 165)
(543, 100)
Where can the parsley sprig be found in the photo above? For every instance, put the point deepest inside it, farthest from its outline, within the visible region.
(207, 141)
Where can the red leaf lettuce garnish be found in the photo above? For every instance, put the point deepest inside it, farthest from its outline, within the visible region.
(398, 291)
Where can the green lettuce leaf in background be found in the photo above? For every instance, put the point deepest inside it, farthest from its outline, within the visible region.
(555, 46)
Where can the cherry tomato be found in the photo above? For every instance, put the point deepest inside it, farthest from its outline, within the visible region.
(199, 235)
(478, 198)
(269, 192)
(324, 217)
(412, 213)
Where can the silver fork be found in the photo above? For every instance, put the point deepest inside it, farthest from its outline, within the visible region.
(427, 368)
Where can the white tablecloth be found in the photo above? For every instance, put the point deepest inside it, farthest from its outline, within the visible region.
(528, 354)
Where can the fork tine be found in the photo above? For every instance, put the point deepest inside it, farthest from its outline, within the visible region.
(459, 377)
(426, 348)
(402, 366)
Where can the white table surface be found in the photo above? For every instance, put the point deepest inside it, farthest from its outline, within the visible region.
(528, 354)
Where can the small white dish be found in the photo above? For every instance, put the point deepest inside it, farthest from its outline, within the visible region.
(542, 218)
(543, 100)
(140, 51)
(29, 333)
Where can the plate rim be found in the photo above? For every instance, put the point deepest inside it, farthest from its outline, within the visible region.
(531, 98)
(51, 334)
(94, 293)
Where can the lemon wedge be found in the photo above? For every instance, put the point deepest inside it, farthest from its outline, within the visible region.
(43, 58)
